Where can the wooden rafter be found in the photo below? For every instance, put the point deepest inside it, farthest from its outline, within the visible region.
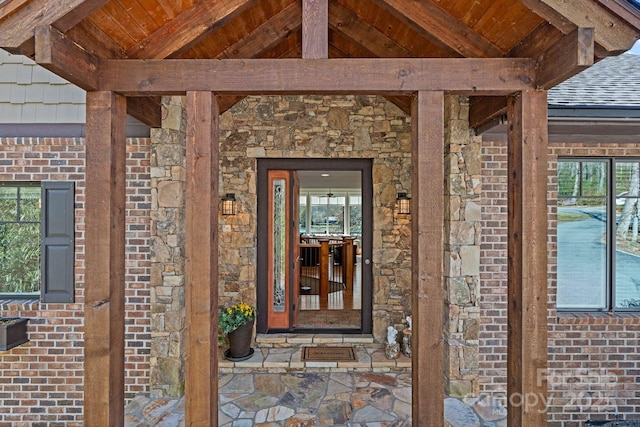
(434, 22)
(182, 32)
(60, 55)
(612, 32)
(268, 35)
(384, 76)
(343, 20)
(564, 57)
(18, 25)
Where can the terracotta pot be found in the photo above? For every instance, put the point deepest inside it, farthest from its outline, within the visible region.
(240, 340)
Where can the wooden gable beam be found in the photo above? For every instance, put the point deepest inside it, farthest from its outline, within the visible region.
(187, 28)
(430, 20)
(612, 33)
(65, 58)
(19, 22)
(61, 56)
(315, 29)
(564, 58)
(266, 36)
(396, 76)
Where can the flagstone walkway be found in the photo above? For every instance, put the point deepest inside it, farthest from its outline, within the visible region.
(275, 388)
(315, 399)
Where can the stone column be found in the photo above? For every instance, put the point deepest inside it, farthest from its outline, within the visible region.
(167, 250)
(462, 249)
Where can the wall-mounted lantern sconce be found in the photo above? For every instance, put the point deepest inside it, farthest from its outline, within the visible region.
(404, 203)
(229, 204)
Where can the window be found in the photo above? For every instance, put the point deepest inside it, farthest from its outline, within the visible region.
(37, 240)
(598, 245)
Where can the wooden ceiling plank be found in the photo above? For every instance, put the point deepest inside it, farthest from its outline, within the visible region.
(266, 36)
(66, 59)
(94, 40)
(315, 29)
(342, 20)
(114, 28)
(417, 43)
(429, 19)
(398, 76)
(128, 24)
(566, 59)
(18, 27)
(184, 30)
(611, 31)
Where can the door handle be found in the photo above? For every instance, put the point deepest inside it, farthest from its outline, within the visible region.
(367, 261)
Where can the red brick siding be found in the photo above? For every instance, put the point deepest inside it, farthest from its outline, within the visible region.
(594, 360)
(42, 381)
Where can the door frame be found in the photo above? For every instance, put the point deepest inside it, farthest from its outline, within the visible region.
(365, 167)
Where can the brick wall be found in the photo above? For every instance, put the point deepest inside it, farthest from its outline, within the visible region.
(593, 358)
(42, 381)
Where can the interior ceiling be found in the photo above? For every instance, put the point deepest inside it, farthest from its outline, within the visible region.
(238, 29)
(336, 180)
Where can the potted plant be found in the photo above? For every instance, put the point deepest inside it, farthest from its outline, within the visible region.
(13, 332)
(236, 324)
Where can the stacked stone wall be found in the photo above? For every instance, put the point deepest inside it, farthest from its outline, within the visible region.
(323, 127)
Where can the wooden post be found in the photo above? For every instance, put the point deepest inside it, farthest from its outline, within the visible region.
(527, 269)
(201, 260)
(315, 29)
(104, 266)
(427, 209)
(324, 273)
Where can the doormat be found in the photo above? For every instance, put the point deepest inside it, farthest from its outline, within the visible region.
(328, 354)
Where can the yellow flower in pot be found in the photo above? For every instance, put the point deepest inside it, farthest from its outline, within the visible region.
(236, 324)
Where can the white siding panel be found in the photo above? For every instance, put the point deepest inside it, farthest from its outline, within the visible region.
(10, 113)
(45, 113)
(8, 73)
(18, 93)
(28, 114)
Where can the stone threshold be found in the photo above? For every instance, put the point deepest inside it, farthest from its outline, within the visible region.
(277, 353)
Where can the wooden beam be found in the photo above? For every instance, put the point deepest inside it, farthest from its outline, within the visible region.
(612, 32)
(18, 26)
(427, 272)
(384, 76)
(566, 59)
(61, 56)
(147, 109)
(104, 311)
(527, 269)
(435, 23)
(201, 260)
(562, 58)
(65, 58)
(266, 36)
(343, 20)
(179, 34)
(315, 29)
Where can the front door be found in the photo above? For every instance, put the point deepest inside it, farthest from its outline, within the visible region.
(314, 245)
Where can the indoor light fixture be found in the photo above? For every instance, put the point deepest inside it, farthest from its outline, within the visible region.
(404, 203)
(229, 204)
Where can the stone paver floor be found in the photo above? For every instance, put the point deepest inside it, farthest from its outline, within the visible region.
(315, 399)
